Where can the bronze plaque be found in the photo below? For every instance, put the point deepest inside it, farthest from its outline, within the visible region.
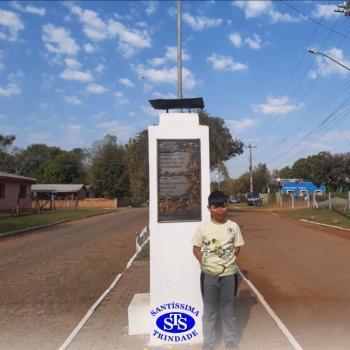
(179, 180)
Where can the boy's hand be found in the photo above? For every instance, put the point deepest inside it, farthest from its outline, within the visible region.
(197, 253)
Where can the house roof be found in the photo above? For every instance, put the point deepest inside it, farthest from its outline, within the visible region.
(14, 177)
(57, 188)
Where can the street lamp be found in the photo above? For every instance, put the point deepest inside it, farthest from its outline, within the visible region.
(314, 52)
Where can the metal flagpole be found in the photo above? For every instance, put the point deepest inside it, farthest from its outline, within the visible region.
(179, 50)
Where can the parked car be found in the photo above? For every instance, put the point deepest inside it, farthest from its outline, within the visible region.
(234, 199)
(253, 198)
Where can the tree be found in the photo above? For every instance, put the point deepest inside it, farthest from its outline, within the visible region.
(261, 177)
(222, 146)
(7, 160)
(136, 165)
(285, 173)
(66, 168)
(109, 178)
(32, 159)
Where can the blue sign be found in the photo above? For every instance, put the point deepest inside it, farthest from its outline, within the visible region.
(175, 322)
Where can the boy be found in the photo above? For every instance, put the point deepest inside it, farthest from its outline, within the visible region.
(216, 245)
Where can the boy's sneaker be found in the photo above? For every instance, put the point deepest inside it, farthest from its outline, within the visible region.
(231, 346)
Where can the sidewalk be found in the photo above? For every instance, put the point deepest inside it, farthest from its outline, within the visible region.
(108, 327)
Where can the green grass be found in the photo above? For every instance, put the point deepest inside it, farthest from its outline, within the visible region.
(324, 216)
(144, 254)
(13, 223)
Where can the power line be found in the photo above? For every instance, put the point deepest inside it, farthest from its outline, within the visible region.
(315, 21)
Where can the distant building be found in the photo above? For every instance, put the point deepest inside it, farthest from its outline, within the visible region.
(15, 192)
(301, 188)
(59, 191)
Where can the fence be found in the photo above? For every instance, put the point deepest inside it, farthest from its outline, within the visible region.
(332, 201)
(76, 204)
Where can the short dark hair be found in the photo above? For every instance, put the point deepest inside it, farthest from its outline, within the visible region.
(217, 198)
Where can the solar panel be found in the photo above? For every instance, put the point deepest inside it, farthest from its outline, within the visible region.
(183, 103)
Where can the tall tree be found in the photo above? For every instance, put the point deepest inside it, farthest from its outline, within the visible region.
(109, 178)
(136, 165)
(66, 168)
(7, 153)
(222, 146)
(31, 159)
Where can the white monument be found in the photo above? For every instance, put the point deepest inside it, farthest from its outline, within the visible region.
(179, 176)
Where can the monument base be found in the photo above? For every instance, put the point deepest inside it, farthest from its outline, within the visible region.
(138, 315)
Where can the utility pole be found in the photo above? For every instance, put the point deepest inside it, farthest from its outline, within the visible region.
(179, 50)
(250, 165)
(344, 8)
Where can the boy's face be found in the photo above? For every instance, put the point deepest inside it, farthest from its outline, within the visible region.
(218, 212)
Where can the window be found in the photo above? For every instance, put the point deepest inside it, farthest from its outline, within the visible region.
(22, 191)
(2, 190)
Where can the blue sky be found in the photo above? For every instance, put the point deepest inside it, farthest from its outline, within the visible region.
(71, 72)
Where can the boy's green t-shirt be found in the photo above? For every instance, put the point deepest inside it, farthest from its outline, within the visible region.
(217, 242)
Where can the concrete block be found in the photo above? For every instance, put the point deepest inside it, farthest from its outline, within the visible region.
(138, 314)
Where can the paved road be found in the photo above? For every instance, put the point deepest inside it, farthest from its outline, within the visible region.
(51, 277)
(303, 271)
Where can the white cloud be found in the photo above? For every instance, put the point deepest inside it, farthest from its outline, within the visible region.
(170, 56)
(277, 106)
(73, 127)
(336, 136)
(254, 42)
(122, 131)
(220, 62)
(165, 75)
(240, 125)
(324, 11)
(326, 67)
(96, 29)
(96, 89)
(28, 8)
(69, 74)
(2, 67)
(253, 9)
(12, 23)
(235, 39)
(118, 94)
(58, 40)
(72, 63)
(277, 17)
(89, 48)
(126, 82)
(10, 90)
(122, 102)
(72, 100)
(151, 7)
(200, 22)
(39, 137)
(150, 111)
(100, 68)
(164, 95)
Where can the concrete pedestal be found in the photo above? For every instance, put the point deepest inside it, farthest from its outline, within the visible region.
(175, 297)
(138, 315)
(174, 270)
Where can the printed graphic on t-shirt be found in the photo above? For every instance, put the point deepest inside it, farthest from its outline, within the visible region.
(218, 254)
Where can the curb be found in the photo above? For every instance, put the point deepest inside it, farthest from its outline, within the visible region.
(51, 224)
(319, 223)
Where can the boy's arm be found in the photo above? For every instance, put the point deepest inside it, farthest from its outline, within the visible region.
(237, 249)
(197, 253)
